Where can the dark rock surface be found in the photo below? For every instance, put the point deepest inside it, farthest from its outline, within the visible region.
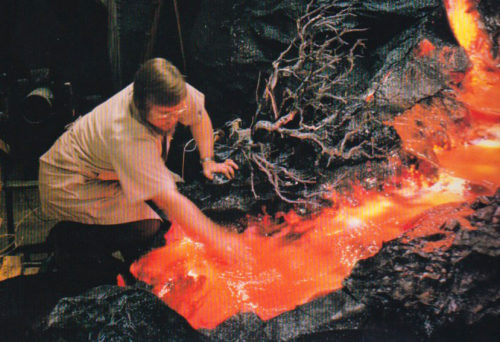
(407, 76)
(231, 42)
(445, 293)
(111, 313)
(337, 313)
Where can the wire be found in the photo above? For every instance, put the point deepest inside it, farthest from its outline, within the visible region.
(38, 216)
(184, 154)
(16, 243)
(30, 212)
(4, 251)
(215, 134)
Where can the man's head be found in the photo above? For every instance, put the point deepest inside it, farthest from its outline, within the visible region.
(160, 93)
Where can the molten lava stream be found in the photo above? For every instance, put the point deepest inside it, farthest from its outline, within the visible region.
(478, 159)
(305, 258)
(481, 86)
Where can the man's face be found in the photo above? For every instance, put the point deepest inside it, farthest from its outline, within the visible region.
(166, 117)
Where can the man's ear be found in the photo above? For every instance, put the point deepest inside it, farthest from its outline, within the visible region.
(144, 109)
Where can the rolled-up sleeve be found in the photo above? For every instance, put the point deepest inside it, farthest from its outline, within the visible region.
(140, 169)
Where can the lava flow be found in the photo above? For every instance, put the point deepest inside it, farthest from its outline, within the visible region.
(481, 86)
(302, 258)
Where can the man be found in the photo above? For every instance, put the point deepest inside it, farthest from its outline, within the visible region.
(98, 176)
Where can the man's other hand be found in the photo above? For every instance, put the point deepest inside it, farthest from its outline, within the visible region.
(227, 168)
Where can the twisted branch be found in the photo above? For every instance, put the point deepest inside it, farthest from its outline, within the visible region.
(309, 104)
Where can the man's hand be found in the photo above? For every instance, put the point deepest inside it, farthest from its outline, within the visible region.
(230, 247)
(227, 168)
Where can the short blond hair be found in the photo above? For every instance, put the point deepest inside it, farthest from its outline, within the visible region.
(160, 83)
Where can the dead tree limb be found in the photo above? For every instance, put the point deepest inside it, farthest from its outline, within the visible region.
(309, 118)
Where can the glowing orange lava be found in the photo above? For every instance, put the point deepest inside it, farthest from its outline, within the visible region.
(477, 160)
(303, 258)
(425, 48)
(481, 86)
(307, 257)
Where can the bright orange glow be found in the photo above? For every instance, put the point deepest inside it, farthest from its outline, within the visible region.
(302, 258)
(427, 128)
(305, 258)
(463, 18)
(428, 223)
(477, 161)
(120, 281)
(425, 48)
(481, 87)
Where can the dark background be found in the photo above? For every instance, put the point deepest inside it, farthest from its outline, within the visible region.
(228, 45)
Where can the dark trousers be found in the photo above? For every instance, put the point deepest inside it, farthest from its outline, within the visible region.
(88, 248)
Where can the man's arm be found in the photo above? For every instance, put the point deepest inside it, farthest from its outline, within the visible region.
(202, 132)
(199, 227)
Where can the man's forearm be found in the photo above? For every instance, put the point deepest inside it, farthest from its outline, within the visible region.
(200, 228)
(181, 210)
(203, 135)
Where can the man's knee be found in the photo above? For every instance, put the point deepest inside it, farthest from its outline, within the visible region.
(63, 233)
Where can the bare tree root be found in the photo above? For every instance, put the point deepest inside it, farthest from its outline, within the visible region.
(309, 118)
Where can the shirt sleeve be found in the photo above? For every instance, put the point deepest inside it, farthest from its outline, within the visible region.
(195, 102)
(140, 169)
